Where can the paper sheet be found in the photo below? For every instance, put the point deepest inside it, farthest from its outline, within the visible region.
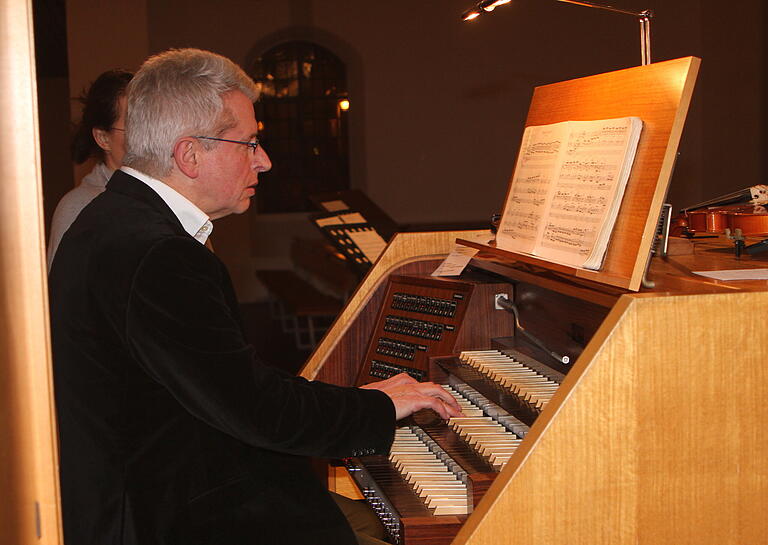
(735, 274)
(457, 260)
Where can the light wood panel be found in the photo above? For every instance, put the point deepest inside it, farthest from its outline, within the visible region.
(28, 456)
(659, 94)
(655, 437)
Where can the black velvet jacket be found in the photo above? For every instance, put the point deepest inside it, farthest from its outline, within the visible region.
(171, 430)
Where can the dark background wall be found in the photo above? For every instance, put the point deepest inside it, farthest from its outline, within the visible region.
(437, 104)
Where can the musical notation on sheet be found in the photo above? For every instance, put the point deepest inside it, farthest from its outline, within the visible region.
(567, 188)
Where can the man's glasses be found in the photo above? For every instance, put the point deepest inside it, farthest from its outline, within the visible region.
(253, 145)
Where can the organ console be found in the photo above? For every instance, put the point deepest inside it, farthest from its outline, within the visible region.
(652, 435)
(651, 431)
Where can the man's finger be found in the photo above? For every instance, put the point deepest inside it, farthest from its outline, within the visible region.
(439, 392)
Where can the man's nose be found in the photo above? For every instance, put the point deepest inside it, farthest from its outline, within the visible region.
(261, 162)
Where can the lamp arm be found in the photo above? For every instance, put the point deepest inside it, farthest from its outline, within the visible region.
(643, 17)
(645, 39)
(646, 13)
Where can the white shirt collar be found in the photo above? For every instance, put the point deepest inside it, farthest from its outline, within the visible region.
(192, 219)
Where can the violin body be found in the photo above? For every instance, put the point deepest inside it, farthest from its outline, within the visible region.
(707, 220)
(750, 219)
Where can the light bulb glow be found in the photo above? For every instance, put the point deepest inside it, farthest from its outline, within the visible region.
(344, 104)
(493, 5)
(470, 14)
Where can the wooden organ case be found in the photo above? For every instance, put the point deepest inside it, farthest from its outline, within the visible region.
(651, 434)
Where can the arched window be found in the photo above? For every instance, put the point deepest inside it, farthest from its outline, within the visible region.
(302, 118)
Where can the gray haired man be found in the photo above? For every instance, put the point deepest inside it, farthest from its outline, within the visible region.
(171, 430)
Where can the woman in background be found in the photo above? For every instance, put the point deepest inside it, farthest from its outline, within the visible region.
(101, 134)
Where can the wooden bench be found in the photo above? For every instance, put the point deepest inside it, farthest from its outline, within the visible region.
(302, 309)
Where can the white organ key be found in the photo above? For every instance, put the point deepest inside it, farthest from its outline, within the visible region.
(476, 439)
(490, 450)
(429, 476)
(435, 486)
(410, 458)
(429, 491)
(500, 456)
(446, 499)
(499, 463)
(406, 449)
(421, 466)
(451, 510)
(447, 502)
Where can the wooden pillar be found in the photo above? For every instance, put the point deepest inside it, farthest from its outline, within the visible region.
(29, 497)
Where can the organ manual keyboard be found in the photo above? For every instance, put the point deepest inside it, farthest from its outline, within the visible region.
(614, 447)
(438, 468)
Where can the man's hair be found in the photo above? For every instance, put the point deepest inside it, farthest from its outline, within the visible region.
(175, 94)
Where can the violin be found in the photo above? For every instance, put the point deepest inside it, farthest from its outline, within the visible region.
(727, 212)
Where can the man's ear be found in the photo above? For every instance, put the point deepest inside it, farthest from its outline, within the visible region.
(187, 157)
(102, 139)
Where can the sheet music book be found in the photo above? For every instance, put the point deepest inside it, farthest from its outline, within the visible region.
(567, 189)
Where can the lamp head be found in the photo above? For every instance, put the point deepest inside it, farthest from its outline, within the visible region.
(483, 6)
(490, 5)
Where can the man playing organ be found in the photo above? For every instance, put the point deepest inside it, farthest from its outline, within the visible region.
(172, 432)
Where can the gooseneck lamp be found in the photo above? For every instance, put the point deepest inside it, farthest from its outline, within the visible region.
(643, 17)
